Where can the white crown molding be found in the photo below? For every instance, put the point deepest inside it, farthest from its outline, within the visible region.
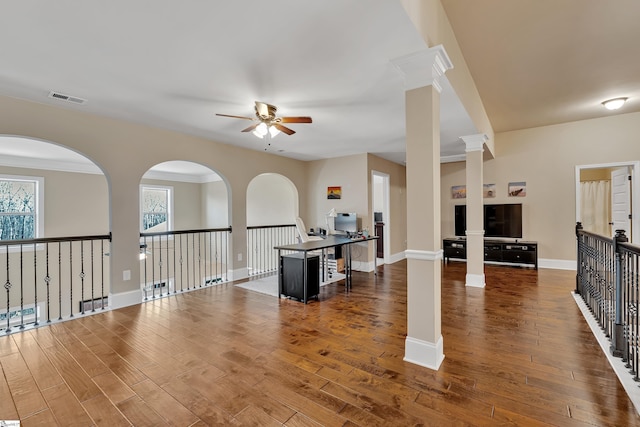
(90, 168)
(45, 164)
(424, 68)
(454, 158)
(474, 142)
(179, 177)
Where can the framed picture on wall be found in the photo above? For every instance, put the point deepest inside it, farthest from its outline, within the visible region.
(517, 189)
(488, 190)
(334, 192)
(459, 192)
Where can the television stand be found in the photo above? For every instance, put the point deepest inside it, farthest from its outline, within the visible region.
(495, 251)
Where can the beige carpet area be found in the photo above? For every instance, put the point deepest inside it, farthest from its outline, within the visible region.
(269, 285)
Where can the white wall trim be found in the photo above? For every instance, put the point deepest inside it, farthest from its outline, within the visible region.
(453, 158)
(474, 232)
(125, 299)
(475, 280)
(238, 273)
(474, 142)
(630, 386)
(424, 68)
(424, 353)
(557, 264)
(424, 255)
(399, 256)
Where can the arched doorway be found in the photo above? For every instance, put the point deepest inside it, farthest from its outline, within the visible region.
(272, 207)
(184, 228)
(54, 238)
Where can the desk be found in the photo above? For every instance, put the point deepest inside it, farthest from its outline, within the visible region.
(313, 245)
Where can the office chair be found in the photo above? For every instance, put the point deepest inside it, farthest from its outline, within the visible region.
(304, 237)
(302, 232)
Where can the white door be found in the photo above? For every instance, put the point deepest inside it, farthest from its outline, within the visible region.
(621, 201)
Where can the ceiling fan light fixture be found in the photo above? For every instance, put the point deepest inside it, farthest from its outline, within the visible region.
(258, 134)
(273, 131)
(614, 104)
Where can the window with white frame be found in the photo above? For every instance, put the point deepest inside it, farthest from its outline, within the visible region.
(156, 208)
(20, 203)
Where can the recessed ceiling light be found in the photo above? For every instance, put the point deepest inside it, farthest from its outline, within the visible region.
(614, 104)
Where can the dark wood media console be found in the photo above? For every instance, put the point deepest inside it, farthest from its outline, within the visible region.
(499, 251)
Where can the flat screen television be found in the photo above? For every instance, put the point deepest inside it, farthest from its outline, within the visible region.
(502, 220)
(346, 222)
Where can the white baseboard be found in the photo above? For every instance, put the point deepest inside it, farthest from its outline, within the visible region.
(475, 280)
(423, 353)
(397, 257)
(557, 264)
(237, 274)
(125, 299)
(626, 379)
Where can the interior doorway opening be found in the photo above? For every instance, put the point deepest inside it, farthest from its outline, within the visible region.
(607, 198)
(381, 214)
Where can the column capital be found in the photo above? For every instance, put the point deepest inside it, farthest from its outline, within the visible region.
(424, 68)
(474, 142)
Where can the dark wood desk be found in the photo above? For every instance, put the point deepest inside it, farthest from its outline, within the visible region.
(314, 245)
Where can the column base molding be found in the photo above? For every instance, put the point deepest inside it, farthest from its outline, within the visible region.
(475, 280)
(424, 353)
(424, 255)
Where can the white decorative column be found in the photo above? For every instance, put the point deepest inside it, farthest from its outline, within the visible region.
(423, 345)
(475, 211)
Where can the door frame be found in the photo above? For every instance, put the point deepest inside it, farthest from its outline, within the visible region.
(634, 168)
(386, 213)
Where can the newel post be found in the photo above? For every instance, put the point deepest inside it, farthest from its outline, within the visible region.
(578, 260)
(618, 345)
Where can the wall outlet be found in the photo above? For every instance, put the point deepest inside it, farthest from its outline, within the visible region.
(240, 257)
(126, 275)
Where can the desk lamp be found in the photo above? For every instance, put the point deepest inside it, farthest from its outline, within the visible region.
(331, 214)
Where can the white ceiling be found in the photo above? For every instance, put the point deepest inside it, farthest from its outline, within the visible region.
(175, 64)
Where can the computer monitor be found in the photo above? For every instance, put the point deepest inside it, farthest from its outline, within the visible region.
(346, 222)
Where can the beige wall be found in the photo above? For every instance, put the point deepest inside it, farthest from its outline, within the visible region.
(187, 203)
(216, 205)
(125, 151)
(353, 174)
(347, 172)
(271, 200)
(75, 204)
(397, 221)
(545, 158)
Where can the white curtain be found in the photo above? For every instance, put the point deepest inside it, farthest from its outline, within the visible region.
(595, 198)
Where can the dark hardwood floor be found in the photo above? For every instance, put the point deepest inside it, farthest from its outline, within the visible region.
(517, 353)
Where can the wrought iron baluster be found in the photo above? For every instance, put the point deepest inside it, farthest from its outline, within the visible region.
(47, 281)
(7, 286)
(82, 276)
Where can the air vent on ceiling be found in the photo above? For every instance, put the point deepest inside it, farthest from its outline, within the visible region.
(68, 98)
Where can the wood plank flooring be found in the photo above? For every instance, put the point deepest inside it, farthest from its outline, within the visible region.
(517, 353)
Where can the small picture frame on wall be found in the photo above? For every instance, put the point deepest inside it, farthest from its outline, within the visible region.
(517, 189)
(488, 190)
(459, 192)
(334, 193)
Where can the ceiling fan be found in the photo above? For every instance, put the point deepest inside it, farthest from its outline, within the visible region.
(268, 122)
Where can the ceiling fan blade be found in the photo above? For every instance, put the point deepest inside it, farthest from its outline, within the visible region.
(262, 109)
(295, 120)
(235, 117)
(250, 128)
(284, 129)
